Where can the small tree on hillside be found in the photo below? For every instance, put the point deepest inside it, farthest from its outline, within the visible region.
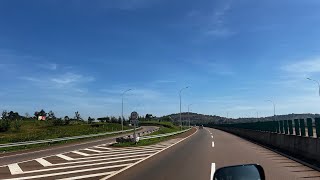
(42, 113)
(77, 116)
(90, 120)
(51, 115)
(66, 120)
(4, 122)
(119, 120)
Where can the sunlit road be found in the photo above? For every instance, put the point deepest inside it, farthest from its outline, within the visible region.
(194, 155)
(198, 156)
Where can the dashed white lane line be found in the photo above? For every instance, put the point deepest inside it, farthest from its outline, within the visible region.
(213, 169)
(15, 169)
(80, 153)
(212, 143)
(43, 162)
(65, 157)
(212, 137)
(69, 172)
(88, 176)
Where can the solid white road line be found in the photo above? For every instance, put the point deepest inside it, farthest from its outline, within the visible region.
(107, 177)
(93, 150)
(212, 143)
(43, 162)
(102, 159)
(15, 169)
(80, 153)
(213, 169)
(65, 157)
(88, 176)
(79, 166)
(69, 172)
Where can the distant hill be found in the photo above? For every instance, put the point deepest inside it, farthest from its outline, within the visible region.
(204, 119)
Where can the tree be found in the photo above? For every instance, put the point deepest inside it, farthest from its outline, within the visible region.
(113, 119)
(66, 120)
(42, 113)
(77, 116)
(90, 120)
(26, 115)
(149, 117)
(108, 119)
(4, 122)
(51, 115)
(101, 120)
(36, 114)
(4, 114)
(13, 115)
(119, 120)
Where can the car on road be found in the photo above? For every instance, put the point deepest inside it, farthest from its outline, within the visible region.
(201, 127)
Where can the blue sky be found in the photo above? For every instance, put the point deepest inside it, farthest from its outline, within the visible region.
(69, 56)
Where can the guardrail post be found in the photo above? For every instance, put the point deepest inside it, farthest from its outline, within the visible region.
(297, 127)
(302, 127)
(290, 127)
(281, 126)
(285, 125)
(317, 122)
(310, 128)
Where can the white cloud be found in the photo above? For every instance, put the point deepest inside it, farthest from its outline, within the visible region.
(71, 78)
(304, 66)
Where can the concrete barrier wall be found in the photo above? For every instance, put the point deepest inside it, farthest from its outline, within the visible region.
(302, 147)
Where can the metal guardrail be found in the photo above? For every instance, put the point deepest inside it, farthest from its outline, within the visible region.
(60, 139)
(163, 135)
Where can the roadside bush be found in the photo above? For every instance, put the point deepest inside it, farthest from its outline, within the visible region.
(57, 122)
(4, 125)
(17, 125)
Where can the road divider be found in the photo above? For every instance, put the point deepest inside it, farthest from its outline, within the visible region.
(163, 135)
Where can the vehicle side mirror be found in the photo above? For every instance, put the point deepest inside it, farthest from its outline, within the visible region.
(240, 172)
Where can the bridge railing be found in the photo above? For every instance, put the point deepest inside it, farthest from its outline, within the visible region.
(300, 127)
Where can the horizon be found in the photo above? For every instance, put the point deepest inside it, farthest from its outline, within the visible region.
(69, 56)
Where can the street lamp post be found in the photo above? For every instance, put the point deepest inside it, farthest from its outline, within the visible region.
(180, 104)
(122, 108)
(316, 82)
(274, 109)
(188, 113)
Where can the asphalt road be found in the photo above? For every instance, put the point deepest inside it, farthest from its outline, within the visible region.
(58, 149)
(194, 157)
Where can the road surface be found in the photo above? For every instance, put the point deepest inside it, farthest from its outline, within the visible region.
(193, 157)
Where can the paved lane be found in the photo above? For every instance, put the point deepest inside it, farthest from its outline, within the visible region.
(209, 149)
(101, 161)
(58, 149)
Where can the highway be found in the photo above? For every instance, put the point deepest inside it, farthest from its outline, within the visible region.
(193, 155)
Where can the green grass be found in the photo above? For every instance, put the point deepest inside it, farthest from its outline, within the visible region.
(165, 127)
(39, 130)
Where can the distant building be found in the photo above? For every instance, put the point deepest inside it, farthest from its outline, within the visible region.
(41, 118)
